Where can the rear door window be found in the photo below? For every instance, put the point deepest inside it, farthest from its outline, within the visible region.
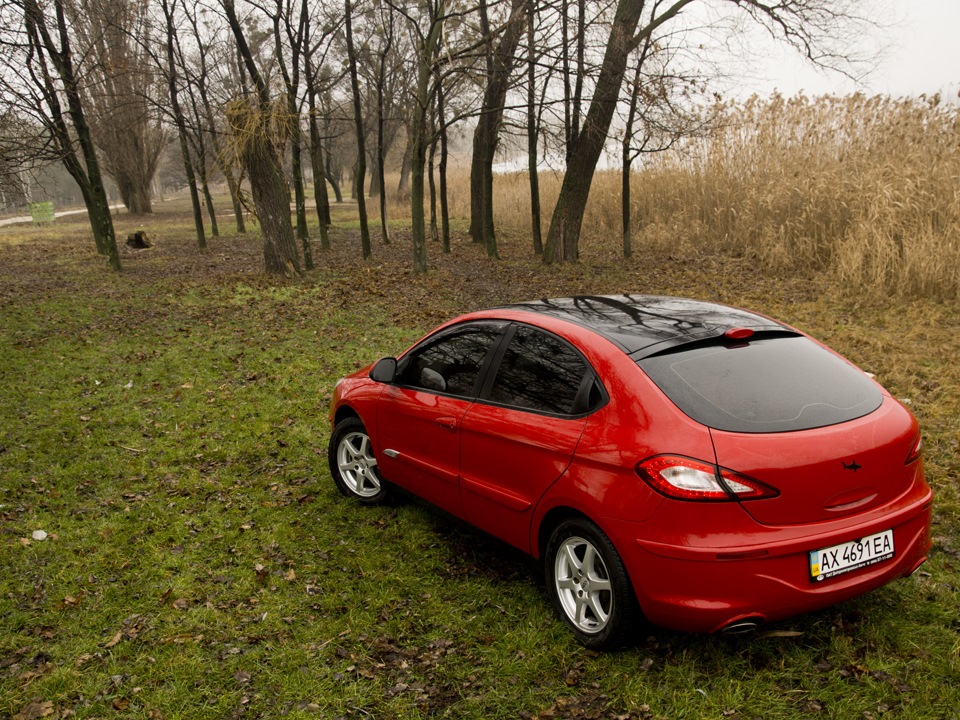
(767, 385)
(542, 373)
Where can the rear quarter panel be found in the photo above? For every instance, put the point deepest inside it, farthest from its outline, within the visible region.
(637, 422)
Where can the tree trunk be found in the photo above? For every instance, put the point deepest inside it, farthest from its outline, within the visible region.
(421, 106)
(320, 196)
(533, 131)
(500, 64)
(434, 230)
(334, 180)
(271, 194)
(417, 222)
(300, 199)
(404, 184)
(140, 197)
(444, 206)
(250, 120)
(626, 158)
(384, 230)
(208, 198)
(234, 188)
(361, 166)
(563, 238)
(625, 203)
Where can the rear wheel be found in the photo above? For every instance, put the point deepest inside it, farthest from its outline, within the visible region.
(588, 584)
(353, 464)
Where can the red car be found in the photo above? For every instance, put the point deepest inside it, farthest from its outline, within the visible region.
(702, 466)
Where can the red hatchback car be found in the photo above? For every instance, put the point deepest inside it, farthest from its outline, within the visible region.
(714, 467)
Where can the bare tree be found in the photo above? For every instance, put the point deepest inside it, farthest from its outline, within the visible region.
(179, 119)
(361, 165)
(41, 83)
(317, 79)
(120, 84)
(295, 31)
(500, 62)
(13, 190)
(809, 25)
(258, 124)
(198, 75)
(387, 26)
(533, 128)
(660, 114)
(428, 30)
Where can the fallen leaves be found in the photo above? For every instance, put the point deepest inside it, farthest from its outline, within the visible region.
(860, 672)
(72, 601)
(34, 710)
(133, 627)
(589, 706)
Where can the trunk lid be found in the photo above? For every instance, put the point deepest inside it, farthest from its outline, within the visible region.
(827, 472)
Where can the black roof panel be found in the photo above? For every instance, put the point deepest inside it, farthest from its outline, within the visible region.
(642, 325)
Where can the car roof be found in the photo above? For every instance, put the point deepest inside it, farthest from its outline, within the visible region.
(643, 325)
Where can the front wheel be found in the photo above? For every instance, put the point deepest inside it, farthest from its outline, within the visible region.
(353, 464)
(588, 584)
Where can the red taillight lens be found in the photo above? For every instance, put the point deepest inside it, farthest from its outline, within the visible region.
(916, 451)
(688, 479)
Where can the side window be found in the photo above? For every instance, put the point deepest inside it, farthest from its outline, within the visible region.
(450, 364)
(539, 372)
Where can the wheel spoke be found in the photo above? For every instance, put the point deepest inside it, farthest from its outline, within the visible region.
(566, 584)
(600, 585)
(583, 605)
(364, 449)
(589, 564)
(600, 613)
(573, 562)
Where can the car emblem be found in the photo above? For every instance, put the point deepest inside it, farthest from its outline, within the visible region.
(852, 466)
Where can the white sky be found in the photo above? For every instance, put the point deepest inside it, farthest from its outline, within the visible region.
(921, 55)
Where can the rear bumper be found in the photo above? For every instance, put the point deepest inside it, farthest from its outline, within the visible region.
(704, 589)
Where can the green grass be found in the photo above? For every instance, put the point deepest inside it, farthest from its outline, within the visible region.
(167, 428)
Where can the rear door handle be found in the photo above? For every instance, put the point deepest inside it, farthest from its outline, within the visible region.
(450, 423)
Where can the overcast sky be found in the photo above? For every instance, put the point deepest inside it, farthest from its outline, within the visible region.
(922, 56)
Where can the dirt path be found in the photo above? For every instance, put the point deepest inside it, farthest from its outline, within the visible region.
(62, 213)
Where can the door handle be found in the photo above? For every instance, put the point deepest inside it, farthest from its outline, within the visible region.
(450, 423)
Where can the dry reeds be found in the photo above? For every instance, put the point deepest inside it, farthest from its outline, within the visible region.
(866, 188)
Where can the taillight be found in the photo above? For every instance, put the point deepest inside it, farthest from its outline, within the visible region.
(688, 479)
(916, 451)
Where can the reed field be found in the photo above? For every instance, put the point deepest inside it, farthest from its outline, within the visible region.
(865, 189)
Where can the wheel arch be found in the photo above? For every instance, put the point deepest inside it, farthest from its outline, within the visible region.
(343, 412)
(550, 521)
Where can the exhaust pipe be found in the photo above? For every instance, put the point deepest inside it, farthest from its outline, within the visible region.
(741, 626)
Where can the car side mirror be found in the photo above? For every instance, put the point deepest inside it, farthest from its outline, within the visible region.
(385, 370)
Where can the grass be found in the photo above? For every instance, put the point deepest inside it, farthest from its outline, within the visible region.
(166, 427)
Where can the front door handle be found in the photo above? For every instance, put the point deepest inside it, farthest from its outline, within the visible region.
(450, 423)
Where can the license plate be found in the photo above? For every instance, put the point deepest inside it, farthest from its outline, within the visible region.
(846, 557)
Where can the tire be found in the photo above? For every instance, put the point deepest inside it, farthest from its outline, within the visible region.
(588, 585)
(353, 464)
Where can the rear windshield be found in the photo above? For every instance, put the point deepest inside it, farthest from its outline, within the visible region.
(773, 385)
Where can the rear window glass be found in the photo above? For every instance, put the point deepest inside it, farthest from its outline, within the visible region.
(773, 385)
